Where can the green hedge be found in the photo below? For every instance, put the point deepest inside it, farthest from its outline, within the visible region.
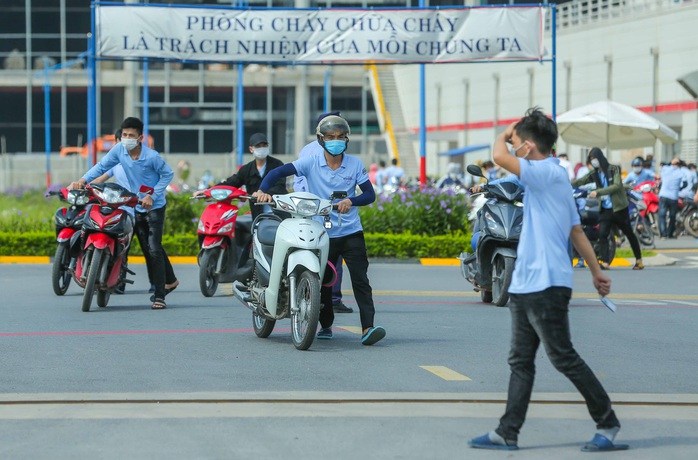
(402, 246)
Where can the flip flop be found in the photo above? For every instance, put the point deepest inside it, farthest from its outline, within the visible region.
(373, 335)
(158, 304)
(171, 287)
(601, 443)
(484, 442)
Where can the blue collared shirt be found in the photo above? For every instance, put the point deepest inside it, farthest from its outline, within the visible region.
(542, 258)
(150, 170)
(671, 182)
(314, 148)
(322, 181)
(634, 178)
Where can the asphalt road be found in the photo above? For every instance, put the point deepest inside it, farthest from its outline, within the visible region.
(193, 381)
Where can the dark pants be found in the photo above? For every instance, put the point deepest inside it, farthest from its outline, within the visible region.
(543, 317)
(337, 287)
(672, 207)
(622, 220)
(352, 249)
(149, 227)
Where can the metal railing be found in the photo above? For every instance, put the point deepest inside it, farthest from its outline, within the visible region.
(584, 12)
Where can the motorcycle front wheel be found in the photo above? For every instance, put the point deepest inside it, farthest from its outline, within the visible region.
(92, 275)
(60, 276)
(644, 232)
(502, 270)
(262, 326)
(208, 279)
(304, 320)
(102, 294)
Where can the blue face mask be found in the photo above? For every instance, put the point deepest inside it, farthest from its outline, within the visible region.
(336, 147)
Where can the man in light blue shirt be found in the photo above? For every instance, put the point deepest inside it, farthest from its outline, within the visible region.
(300, 184)
(143, 167)
(337, 171)
(639, 174)
(541, 287)
(672, 181)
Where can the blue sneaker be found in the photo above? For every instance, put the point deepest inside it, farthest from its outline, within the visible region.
(484, 442)
(325, 333)
(373, 335)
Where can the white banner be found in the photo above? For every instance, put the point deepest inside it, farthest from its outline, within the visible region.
(320, 36)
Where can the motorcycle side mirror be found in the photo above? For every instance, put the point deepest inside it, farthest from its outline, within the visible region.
(338, 195)
(475, 170)
(147, 190)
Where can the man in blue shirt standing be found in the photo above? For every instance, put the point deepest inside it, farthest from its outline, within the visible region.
(325, 174)
(672, 181)
(143, 166)
(639, 174)
(541, 287)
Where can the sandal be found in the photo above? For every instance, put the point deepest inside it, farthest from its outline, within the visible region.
(171, 287)
(638, 266)
(159, 304)
(604, 266)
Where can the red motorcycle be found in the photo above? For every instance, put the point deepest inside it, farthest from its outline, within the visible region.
(68, 227)
(225, 239)
(107, 232)
(651, 199)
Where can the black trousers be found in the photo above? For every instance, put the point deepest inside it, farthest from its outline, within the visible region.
(352, 249)
(542, 318)
(149, 228)
(622, 220)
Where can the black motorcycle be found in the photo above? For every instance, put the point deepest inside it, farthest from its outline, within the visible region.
(499, 224)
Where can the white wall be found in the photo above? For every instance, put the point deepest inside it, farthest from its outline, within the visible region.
(673, 31)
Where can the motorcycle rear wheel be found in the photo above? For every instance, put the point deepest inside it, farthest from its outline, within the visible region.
(262, 326)
(486, 296)
(208, 279)
(645, 234)
(304, 321)
(60, 276)
(502, 270)
(93, 274)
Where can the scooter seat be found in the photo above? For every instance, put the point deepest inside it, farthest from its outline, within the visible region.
(266, 231)
(243, 224)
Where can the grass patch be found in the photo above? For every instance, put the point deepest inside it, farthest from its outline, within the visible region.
(625, 253)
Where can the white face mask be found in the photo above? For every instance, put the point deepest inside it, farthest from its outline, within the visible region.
(129, 144)
(637, 170)
(595, 163)
(260, 153)
(513, 150)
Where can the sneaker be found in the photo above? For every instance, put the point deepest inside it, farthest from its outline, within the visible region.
(486, 442)
(580, 264)
(325, 333)
(341, 308)
(373, 335)
(638, 266)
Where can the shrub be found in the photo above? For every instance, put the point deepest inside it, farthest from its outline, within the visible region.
(417, 211)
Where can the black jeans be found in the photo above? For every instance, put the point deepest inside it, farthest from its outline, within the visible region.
(622, 220)
(543, 317)
(672, 207)
(352, 249)
(149, 227)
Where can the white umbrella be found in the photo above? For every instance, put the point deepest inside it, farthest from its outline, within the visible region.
(613, 125)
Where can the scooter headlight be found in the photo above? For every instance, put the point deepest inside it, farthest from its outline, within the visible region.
(306, 207)
(494, 226)
(227, 228)
(220, 194)
(78, 197)
(111, 196)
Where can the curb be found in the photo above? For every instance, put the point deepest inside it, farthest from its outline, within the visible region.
(657, 261)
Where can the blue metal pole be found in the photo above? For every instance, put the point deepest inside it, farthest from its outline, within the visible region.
(554, 29)
(326, 100)
(241, 111)
(146, 102)
(47, 121)
(422, 121)
(90, 104)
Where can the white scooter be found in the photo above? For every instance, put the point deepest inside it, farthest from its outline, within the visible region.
(290, 260)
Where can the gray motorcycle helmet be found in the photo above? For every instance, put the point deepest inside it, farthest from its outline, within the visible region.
(331, 124)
